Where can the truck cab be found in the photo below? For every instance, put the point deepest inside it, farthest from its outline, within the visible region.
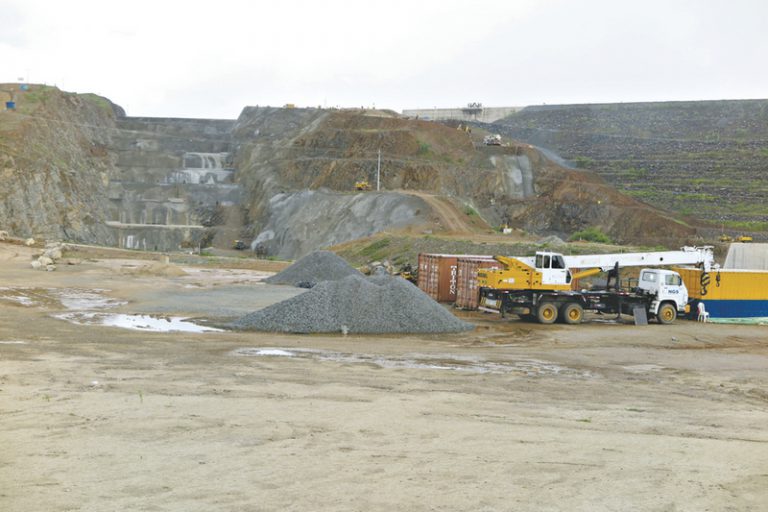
(666, 286)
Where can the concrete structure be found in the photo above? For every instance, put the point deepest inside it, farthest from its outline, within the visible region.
(747, 256)
(470, 113)
(172, 176)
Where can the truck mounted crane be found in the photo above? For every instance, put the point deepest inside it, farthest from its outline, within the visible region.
(542, 287)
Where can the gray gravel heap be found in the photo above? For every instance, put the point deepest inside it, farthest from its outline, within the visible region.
(313, 268)
(355, 304)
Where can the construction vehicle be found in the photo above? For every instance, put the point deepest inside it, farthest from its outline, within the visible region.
(492, 140)
(408, 273)
(542, 287)
(362, 186)
(744, 239)
(239, 245)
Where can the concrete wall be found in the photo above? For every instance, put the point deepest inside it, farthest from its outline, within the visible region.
(483, 114)
(171, 176)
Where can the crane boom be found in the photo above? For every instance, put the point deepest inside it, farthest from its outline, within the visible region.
(685, 256)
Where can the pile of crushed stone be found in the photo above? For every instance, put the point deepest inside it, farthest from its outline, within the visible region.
(314, 268)
(356, 304)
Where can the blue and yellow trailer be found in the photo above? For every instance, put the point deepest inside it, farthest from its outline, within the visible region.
(729, 294)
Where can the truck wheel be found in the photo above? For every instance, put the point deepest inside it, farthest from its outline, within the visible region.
(546, 313)
(572, 313)
(667, 314)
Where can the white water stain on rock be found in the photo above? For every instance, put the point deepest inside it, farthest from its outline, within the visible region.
(13, 342)
(529, 367)
(135, 322)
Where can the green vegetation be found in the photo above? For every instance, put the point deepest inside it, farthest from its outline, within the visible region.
(583, 162)
(746, 225)
(101, 102)
(591, 234)
(424, 149)
(377, 249)
(636, 173)
(469, 211)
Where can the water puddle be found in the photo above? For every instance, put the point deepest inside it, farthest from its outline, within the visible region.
(68, 298)
(86, 306)
(642, 368)
(135, 322)
(528, 367)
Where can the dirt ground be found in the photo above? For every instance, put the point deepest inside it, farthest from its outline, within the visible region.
(509, 417)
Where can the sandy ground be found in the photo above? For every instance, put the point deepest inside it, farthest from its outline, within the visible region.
(510, 417)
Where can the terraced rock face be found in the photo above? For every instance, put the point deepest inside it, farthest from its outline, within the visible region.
(704, 159)
(173, 184)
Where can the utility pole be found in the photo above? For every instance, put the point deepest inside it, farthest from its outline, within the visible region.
(378, 172)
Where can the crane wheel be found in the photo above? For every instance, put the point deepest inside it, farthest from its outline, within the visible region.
(546, 313)
(667, 314)
(572, 313)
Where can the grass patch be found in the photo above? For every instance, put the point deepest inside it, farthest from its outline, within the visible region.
(748, 225)
(101, 102)
(591, 234)
(376, 249)
(583, 162)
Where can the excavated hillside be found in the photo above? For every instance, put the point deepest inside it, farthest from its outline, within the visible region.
(282, 179)
(514, 184)
(705, 159)
(55, 165)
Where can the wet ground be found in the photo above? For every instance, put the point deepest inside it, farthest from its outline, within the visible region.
(511, 416)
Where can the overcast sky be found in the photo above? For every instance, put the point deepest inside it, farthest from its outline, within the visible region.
(210, 59)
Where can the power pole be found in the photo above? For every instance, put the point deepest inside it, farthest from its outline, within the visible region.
(378, 173)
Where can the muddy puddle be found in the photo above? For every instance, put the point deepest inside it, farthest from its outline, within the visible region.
(135, 322)
(528, 367)
(55, 298)
(87, 307)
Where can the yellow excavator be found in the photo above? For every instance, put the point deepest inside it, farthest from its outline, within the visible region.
(362, 186)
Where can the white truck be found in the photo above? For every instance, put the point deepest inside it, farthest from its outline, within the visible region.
(541, 288)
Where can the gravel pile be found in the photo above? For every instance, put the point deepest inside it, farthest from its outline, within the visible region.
(314, 268)
(355, 304)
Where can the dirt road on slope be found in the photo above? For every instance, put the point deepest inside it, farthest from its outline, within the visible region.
(449, 216)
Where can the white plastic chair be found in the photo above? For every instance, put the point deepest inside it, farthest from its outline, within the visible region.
(703, 313)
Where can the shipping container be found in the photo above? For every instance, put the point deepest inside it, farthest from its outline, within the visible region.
(438, 274)
(728, 293)
(467, 291)
(429, 272)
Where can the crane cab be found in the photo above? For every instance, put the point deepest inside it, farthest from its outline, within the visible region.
(553, 269)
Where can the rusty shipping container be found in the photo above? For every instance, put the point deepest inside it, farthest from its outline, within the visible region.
(438, 275)
(467, 291)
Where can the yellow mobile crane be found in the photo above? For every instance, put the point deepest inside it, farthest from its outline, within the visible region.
(541, 287)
